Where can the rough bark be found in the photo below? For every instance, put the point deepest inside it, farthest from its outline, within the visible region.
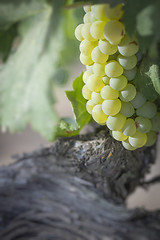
(76, 190)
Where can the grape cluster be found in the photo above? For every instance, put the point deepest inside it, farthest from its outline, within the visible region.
(111, 56)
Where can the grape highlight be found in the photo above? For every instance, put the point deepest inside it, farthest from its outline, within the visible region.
(110, 56)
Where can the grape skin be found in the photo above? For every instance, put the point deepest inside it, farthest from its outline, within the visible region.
(128, 93)
(85, 60)
(127, 109)
(107, 48)
(89, 106)
(130, 74)
(143, 125)
(138, 101)
(116, 122)
(85, 31)
(127, 62)
(86, 47)
(128, 46)
(108, 93)
(96, 29)
(99, 69)
(98, 115)
(114, 13)
(114, 31)
(118, 83)
(78, 32)
(127, 145)
(113, 69)
(86, 92)
(138, 139)
(97, 56)
(95, 83)
(111, 107)
(156, 122)
(147, 110)
(151, 138)
(129, 128)
(105, 79)
(96, 98)
(119, 136)
(86, 74)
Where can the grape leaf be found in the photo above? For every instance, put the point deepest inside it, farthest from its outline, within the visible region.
(147, 79)
(78, 102)
(14, 11)
(6, 39)
(26, 93)
(67, 127)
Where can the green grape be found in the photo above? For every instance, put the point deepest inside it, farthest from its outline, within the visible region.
(151, 138)
(130, 74)
(138, 139)
(99, 69)
(86, 18)
(113, 12)
(87, 8)
(147, 110)
(143, 125)
(96, 29)
(109, 93)
(119, 136)
(98, 115)
(111, 107)
(128, 93)
(114, 31)
(78, 32)
(86, 74)
(127, 109)
(128, 46)
(105, 79)
(95, 83)
(98, 11)
(113, 69)
(127, 62)
(129, 128)
(116, 122)
(85, 60)
(86, 32)
(156, 122)
(89, 106)
(118, 83)
(107, 48)
(86, 92)
(86, 47)
(97, 56)
(96, 98)
(90, 68)
(139, 100)
(127, 145)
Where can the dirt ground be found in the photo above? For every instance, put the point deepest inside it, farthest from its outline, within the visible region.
(28, 141)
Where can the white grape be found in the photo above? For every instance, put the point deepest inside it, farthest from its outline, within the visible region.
(147, 110)
(86, 74)
(130, 74)
(119, 136)
(89, 106)
(114, 31)
(151, 138)
(128, 93)
(138, 139)
(118, 83)
(143, 125)
(109, 93)
(86, 92)
(96, 98)
(85, 31)
(127, 62)
(95, 83)
(127, 145)
(129, 128)
(96, 29)
(113, 12)
(111, 107)
(78, 32)
(156, 122)
(107, 48)
(99, 69)
(106, 80)
(85, 60)
(128, 46)
(139, 100)
(127, 109)
(86, 47)
(98, 115)
(97, 56)
(113, 69)
(116, 122)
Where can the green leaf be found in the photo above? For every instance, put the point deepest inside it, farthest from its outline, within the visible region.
(14, 11)
(67, 127)
(153, 73)
(147, 78)
(79, 103)
(26, 93)
(6, 39)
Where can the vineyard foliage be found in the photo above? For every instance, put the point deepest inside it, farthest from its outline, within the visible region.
(37, 44)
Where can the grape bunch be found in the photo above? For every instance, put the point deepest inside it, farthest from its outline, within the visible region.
(111, 56)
